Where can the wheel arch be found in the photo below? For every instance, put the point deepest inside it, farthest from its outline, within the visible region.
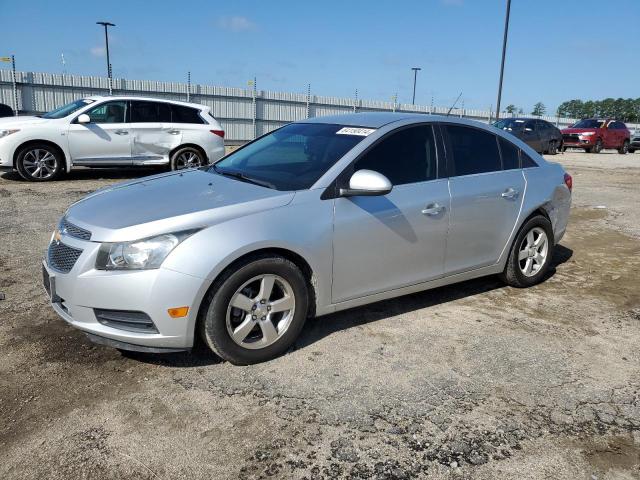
(297, 259)
(54, 145)
(191, 145)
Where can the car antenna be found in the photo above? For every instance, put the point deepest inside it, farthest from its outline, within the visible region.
(454, 104)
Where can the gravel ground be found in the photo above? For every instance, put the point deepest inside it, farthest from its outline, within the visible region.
(474, 380)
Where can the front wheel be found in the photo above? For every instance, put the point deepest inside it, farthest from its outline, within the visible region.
(553, 148)
(39, 163)
(597, 148)
(187, 157)
(530, 253)
(255, 311)
(624, 148)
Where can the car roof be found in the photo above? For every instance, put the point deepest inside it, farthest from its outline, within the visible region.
(370, 119)
(150, 99)
(523, 118)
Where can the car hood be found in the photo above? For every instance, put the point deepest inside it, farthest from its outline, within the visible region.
(169, 203)
(578, 130)
(11, 122)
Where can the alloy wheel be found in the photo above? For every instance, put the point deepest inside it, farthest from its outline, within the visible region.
(260, 311)
(40, 163)
(188, 159)
(533, 252)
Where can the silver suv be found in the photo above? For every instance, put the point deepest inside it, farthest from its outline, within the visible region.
(318, 216)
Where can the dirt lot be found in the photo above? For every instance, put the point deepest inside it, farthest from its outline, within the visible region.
(474, 380)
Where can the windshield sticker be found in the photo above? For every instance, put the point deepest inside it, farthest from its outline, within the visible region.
(362, 132)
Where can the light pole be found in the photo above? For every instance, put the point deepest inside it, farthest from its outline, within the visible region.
(504, 51)
(106, 25)
(415, 78)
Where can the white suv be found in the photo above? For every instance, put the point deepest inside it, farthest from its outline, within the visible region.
(110, 131)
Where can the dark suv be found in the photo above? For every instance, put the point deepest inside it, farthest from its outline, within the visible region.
(594, 134)
(540, 135)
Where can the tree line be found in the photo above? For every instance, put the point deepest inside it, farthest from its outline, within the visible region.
(624, 109)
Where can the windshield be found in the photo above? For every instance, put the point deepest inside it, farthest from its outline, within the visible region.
(293, 157)
(588, 124)
(68, 109)
(509, 124)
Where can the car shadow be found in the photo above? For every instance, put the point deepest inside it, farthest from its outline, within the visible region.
(94, 174)
(317, 329)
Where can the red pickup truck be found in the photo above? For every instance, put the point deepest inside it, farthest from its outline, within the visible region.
(594, 134)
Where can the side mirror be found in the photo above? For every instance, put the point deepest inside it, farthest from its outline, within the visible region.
(366, 183)
(84, 118)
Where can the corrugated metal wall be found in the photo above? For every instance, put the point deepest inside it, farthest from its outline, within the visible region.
(235, 108)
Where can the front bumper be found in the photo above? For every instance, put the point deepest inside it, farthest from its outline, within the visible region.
(75, 295)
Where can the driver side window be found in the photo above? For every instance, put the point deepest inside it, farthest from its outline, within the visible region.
(109, 112)
(407, 156)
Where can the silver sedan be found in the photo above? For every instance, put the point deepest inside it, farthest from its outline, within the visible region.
(318, 216)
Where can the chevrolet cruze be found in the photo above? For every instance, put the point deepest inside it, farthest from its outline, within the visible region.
(318, 216)
(110, 132)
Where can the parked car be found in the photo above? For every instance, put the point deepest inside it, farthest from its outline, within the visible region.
(315, 217)
(110, 132)
(635, 142)
(5, 110)
(595, 134)
(542, 136)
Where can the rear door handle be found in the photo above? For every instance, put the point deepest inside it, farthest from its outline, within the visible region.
(174, 132)
(510, 193)
(432, 209)
(121, 132)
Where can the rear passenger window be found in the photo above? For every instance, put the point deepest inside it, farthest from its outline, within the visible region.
(407, 156)
(510, 155)
(474, 150)
(144, 112)
(527, 161)
(182, 114)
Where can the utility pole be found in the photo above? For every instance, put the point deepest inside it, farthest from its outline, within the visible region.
(188, 86)
(504, 51)
(415, 78)
(106, 25)
(15, 85)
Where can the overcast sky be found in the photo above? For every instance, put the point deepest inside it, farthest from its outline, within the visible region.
(558, 50)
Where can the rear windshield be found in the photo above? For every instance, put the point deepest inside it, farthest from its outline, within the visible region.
(509, 124)
(589, 123)
(293, 157)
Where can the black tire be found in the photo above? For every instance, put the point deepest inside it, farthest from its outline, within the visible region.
(187, 157)
(597, 148)
(552, 149)
(624, 149)
(563, 149)
(632, 150)
(513, 274)
(217, 305)
(39, 162)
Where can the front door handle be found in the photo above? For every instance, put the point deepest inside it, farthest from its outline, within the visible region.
(510, 193)
(432, 209)
(174, 132)
(121, 132)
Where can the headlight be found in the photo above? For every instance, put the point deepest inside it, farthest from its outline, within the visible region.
(144, 254)
(4, 133)
(586, 134)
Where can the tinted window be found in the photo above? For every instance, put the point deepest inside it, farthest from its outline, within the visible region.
(474, 151)
(588, 123)
(142, 112)
(531, 125)
(541, 125)
(527, 161)
(510, 124)
(110, 112)
(182, 114)
(407, 156)
(293, 157)
(510, 154)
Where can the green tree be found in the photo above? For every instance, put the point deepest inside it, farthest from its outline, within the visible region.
(539, 109)
(511, 108)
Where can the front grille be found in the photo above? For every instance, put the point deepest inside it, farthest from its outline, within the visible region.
(571, 137)
(62, 257)
(126, 320)
(73, 230)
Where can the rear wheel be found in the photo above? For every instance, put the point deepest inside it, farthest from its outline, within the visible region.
(187, 157)
(624, 148)
(632, 150)
(530, 253)
(255, 311)
(39, 162)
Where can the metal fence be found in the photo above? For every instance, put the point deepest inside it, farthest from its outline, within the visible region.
(243, 113)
